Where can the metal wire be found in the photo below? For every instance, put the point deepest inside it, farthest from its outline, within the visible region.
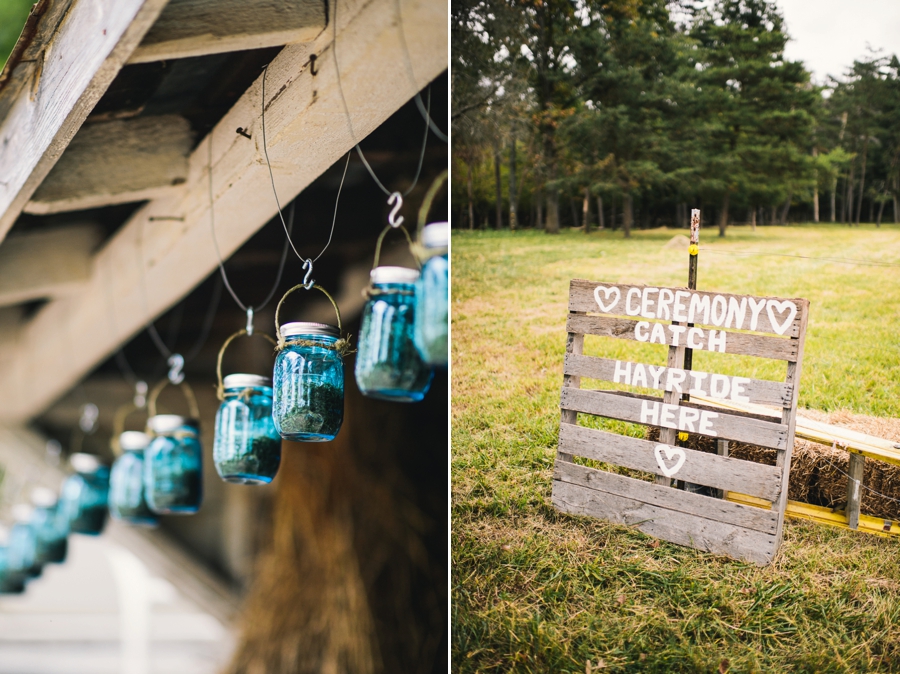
(359, 151)
(847, 475)
(288, 230)
(212, 225)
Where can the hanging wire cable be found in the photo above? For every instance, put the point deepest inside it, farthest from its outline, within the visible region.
(426, 113)
(840, 260)
(288, 228)
(359, 151)
(287, 233)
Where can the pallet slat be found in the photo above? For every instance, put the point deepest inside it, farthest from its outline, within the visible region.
(711, 470)
(624, 407)
(587, 296)
(676, 527)
(759, 391)
(737, 343)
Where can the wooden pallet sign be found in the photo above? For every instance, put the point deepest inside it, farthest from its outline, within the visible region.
(676, 319)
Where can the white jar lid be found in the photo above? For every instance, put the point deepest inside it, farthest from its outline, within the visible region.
(436, 235)
(309, 328)
(22, 513)
(166, 423)
(42, 497)
(84, 463)
(133, 440)
(394, 275)
(246, 381)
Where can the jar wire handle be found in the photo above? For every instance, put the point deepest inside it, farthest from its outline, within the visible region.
(426, 203)
(188, 394)
(409, 241)
(220, 388)
(118, 428)
(279, 345)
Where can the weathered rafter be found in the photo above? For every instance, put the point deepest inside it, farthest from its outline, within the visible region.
(117, 162)
(75, 67)
(148, 266)
(46, 264)
(198, 27)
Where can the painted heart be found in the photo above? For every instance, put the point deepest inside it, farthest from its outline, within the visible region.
(614, 291)
(787, 306)
(670, 452)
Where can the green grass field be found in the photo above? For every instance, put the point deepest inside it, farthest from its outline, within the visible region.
(537, 591)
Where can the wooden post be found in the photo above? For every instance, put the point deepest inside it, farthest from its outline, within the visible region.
(854, 484)
(721, 450)
(693, 249)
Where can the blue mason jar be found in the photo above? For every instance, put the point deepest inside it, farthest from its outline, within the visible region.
(83, 501)
(247, 447)
(308, 405)
(388, 366)
(173, 465)
(50, 527)
(11, 581)
(127, 501)
(432, 297)
(23, 544)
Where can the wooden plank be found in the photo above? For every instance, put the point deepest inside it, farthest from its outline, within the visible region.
(197, 27)
(674, 359)
(756, 314)
(705, 507)
(147, 266)
(876, 526)
(789, 418)
(711, 470)
(117, 162)
(574, 347)
(720, 341)
(47, 263)
(679, 416)
(84, 55)
(695, 382)
(870, 446)
(698, 532)
(854, 484)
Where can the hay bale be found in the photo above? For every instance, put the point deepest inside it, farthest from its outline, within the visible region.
(677, 242)
(818, 472)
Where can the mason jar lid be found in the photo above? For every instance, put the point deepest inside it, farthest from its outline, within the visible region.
(84, 463)
(133, 440)
(309, 328)
(394, 275)
(22, 513)
(42, 497)
(246, 381)
(436, 235)
(166, 423)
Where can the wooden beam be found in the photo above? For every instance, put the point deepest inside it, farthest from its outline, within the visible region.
(117, 162)
(77, 65)
(46, 264)
(148, 266)
(197, 27)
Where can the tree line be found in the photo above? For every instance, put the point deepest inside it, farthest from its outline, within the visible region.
(627, 113)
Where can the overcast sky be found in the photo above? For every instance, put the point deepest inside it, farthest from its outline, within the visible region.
(829, 34)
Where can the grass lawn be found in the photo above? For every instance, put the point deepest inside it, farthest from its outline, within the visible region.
(537, 591)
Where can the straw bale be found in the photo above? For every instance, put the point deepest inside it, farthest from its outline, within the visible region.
(818, 472)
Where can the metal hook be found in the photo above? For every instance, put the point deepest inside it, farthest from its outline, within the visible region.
(176, 363)
(312, 65)
(242, 131)
(308, 282)
(396, 199)
(249, 320)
